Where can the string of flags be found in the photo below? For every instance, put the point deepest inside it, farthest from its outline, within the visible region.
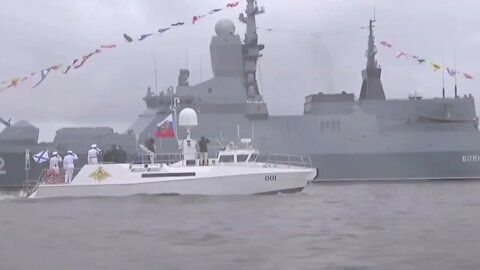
(80, 61)
(420, 60)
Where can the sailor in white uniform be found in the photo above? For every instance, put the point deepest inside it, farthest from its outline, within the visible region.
(92, 155)
(55, 159)
(54, 163)
(69, 166)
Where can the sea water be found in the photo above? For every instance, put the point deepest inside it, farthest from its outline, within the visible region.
(428, 225)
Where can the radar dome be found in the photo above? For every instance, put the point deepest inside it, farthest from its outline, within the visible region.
(224, 27)
(187, 118)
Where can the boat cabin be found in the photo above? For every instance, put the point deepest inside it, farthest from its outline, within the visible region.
(233, 154)
(245, 152)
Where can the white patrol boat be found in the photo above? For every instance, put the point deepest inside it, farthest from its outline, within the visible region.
(235, 171)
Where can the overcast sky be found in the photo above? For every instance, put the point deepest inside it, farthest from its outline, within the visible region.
(110, 87)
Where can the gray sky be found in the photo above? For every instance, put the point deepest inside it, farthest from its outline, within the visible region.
(110, 87)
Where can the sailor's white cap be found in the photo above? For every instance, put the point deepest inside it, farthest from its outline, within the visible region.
(55, 153)
(70, 152)
(94, 145)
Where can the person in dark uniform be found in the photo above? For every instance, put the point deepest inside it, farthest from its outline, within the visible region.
(203, 151)
(110, 155)
(121, 155)
(150, 144)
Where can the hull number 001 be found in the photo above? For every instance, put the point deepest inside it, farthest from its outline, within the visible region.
(270, 178)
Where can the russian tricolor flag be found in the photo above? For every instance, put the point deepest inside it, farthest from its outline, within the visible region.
(166, 129)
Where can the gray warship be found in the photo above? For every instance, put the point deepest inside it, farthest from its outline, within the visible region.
(369, 138)
(348, 138)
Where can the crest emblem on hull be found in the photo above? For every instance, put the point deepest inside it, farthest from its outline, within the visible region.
(100, 174)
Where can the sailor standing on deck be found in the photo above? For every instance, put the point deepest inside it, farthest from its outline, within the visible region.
(92, 155)
(69, 166)
(203, 151)
(55, 159)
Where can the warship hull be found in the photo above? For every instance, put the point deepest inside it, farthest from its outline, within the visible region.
(12, 170)
(352, 147)
(398, 166)
(13, 173)
(356, 150)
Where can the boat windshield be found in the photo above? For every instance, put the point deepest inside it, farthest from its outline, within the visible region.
(253, 157)
(242, 157)
(226, 158)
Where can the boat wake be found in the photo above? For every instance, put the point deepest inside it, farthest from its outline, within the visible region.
(10, 195)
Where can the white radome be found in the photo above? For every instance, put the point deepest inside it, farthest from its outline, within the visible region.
(188, 118)
(224, 27)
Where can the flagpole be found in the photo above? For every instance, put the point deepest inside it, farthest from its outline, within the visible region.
(159, 145)
(455, 63)
(155, 70)
(443, 76)
(443, 63)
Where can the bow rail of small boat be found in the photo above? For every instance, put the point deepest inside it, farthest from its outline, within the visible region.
(274, 160)
(47, 177)
(271, 160)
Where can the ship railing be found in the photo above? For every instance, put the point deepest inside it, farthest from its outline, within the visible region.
(278, 160)
(169, 158)
(30, 186)
(48, 177)
(163, 158)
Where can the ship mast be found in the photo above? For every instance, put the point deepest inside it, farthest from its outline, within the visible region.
(372, 87)
(372, 49)
(251, 48)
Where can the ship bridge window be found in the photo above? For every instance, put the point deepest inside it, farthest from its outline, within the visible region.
(226, 158)
(253, 157)
(242, 158)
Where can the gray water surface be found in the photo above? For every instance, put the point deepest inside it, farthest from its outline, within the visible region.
(430, 225)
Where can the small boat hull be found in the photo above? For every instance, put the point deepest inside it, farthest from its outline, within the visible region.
(112, 180)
